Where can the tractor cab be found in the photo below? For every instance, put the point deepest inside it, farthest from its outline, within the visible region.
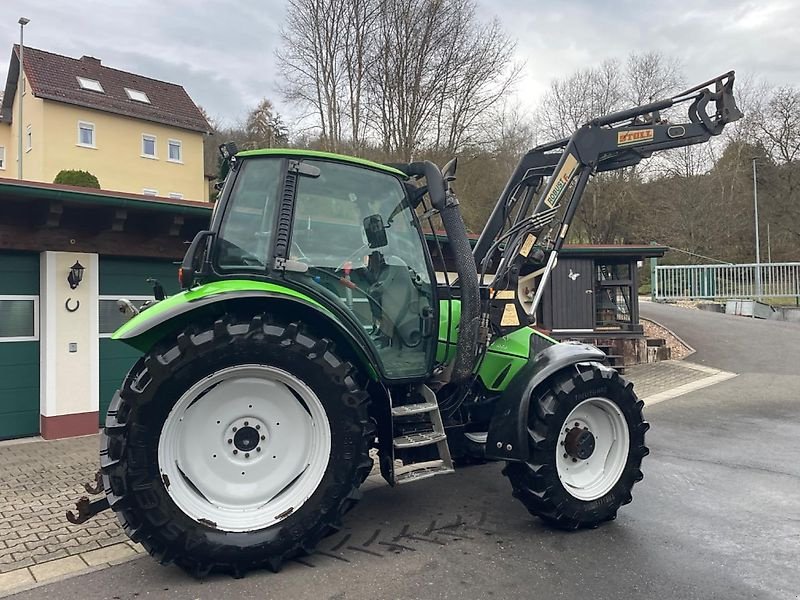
(339, 230)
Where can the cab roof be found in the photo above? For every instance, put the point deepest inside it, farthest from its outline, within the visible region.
(362, 162)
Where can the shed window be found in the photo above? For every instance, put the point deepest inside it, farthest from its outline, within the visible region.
(2, 158)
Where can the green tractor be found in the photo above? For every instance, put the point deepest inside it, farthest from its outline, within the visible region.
(315, 332)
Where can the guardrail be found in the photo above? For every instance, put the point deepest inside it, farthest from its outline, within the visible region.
(708, 282)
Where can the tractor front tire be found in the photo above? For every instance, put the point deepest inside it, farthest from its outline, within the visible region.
(237, 445)
(586, 444)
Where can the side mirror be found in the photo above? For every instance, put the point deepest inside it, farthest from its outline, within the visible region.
(376, 232)
(194, 262)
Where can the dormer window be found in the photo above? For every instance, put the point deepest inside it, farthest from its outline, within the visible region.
(90, 84)
(137, 95)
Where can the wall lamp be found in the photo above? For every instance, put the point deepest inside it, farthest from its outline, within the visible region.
(75, 275)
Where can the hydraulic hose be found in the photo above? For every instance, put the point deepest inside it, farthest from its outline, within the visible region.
(447, 205)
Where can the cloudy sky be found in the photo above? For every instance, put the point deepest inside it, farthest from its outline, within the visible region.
(222, 52)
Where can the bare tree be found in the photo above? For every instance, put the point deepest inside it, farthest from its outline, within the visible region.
(574, 100)
(310, 62)
(651, 76)
(358, 60)
(405, 74)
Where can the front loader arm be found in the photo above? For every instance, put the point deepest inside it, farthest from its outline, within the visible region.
(616, 140)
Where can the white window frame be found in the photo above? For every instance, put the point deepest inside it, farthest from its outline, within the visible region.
(149, 136)
(149, 192)
(2, 158)
(28, 138)
(132, 298)
(134, 95)
(86, 125)
(25, 338)
(176, 195)
(179, 160)
(86, 83)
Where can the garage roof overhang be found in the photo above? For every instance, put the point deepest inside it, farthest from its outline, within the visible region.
(40, 216)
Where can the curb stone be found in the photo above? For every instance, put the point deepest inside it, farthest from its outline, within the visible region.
(26, 578)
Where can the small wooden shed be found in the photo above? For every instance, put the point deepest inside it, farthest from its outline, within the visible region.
(593, 291)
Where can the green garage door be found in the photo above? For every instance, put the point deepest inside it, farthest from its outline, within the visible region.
(124, 278)
(19, 344)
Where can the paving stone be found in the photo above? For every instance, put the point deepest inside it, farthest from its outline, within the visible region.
(51, 555)
(81, 548)
(105, 555)
(17, 564)
(57, 568)
(15, 579)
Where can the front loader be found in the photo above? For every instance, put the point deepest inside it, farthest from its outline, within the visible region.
(315, 331)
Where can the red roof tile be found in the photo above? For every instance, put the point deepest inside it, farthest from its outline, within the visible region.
(54, 77)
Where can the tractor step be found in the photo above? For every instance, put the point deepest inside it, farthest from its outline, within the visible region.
(415, 440)
(423, 414)
(418, 471)
(414, 409)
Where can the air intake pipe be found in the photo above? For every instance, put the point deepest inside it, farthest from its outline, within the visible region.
(447, 204)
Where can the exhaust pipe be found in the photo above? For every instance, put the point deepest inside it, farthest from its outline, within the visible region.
(447, 205)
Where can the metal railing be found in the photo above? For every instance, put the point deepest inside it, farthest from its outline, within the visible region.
(708, 282)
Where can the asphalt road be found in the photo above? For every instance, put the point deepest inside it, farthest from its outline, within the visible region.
(717, 516)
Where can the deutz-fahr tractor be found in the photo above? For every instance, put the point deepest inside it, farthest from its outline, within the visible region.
(314, 332)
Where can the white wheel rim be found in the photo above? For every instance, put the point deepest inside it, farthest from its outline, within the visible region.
(592, 477)
(267, 471)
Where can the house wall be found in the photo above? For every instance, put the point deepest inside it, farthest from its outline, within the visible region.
(116, 160)
(32, 114)
(5, 142)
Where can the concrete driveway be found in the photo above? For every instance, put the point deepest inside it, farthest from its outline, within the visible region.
(717, 516)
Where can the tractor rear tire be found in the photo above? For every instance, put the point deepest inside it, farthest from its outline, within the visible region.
(197, 466)
(586, 444)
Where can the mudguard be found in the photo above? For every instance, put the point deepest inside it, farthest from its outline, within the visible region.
(177, 311)
(508, 429)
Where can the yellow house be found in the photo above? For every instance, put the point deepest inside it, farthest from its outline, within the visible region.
(135, 134)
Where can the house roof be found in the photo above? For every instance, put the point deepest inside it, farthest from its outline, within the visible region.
(54, 77)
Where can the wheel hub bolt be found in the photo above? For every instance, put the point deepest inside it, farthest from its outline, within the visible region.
(258, 426)
(236, 452)
(258, 449)
(247, 455)
(230, 440)
(234, 428)
(263, 437)
(246, 423)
